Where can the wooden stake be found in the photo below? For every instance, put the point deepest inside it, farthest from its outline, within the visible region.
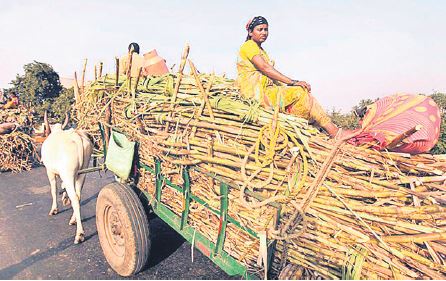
(129, 70)
(140, 124)
(77, 97)
(275, 115)
(180, 72)
(178, 82)
(137, 78)
(403, 136)
(200, 86)
(101, 64)
(117, 72)
(76, 89)
(129, 66)
(108, 118)
(200, 110)
(129, 78)
(95, 73)
(211, 154)
(83, 75)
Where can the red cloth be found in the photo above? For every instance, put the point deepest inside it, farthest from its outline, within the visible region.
(392, 116)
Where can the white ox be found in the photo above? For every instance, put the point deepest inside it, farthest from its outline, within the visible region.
(64, 153)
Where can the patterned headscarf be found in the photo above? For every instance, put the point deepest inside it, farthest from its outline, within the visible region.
(253, 23)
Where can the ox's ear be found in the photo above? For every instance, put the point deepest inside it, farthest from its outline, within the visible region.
(65, 122)
(47, 124)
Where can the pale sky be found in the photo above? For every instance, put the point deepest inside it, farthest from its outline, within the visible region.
(347, 50)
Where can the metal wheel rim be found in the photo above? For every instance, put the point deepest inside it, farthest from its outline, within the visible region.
(114, 231)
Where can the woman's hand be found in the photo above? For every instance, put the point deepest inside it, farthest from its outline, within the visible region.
(302, 84)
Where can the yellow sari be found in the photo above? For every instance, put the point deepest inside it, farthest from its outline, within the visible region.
(254, 84)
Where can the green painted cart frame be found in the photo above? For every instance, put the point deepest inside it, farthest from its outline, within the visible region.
(214, 251)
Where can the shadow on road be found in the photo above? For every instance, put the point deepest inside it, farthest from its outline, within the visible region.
(89, 199)
(12, 270)
(87, 219)
(164, 240)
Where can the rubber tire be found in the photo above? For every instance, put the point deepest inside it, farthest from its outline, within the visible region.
(134, 231)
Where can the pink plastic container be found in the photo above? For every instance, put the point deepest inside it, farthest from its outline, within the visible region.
(154, 64)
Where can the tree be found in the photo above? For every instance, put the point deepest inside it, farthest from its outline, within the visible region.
(362, 104)
(63, 103)
(349, 120)
(440, 147)
(38, 86)
(440, 99)
(345, 121)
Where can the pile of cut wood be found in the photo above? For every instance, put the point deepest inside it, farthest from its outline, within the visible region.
(17, 151)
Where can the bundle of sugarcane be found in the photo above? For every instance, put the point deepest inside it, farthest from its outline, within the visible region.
(345, 211)
(20, 116)
(17, 152)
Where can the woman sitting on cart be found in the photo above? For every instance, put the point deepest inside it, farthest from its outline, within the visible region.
(259, 80)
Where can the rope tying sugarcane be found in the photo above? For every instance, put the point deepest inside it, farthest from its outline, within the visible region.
(274, 138)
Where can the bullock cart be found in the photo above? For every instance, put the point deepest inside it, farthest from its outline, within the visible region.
(258, 192)
(123, 209)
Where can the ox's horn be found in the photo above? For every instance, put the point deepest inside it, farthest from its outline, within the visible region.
(47, 124)
(65, 122)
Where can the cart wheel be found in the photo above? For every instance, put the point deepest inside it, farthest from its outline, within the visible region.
(123, 229)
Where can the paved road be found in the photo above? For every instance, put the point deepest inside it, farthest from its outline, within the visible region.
(34, 245)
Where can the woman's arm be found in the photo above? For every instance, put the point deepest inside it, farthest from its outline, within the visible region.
(269, 70)
(272, 73)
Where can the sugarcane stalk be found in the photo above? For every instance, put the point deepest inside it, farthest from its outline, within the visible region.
(416, 238)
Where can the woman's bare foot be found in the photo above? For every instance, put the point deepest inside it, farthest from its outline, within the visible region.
(339, 133)
(345, 134)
